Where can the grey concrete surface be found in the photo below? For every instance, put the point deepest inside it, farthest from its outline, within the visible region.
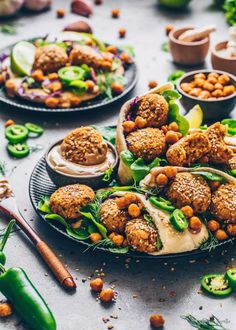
(143, 287)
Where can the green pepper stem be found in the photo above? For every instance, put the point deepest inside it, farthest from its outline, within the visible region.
(6, 234)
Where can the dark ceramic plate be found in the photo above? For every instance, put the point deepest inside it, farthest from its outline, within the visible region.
(41, 185)
(131, 75)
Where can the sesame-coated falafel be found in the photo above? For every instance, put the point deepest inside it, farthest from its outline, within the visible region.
(147, 143)
(67, 201)
(113, 218)
(154, 109)
(141, 235)
(50, 58)
(223, 203)
(82, 54)
(84, 146)
(190, 189)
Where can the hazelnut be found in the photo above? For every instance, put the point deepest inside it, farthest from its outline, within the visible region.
(107, 295)
(81, 7)
(79, 26)
(96, 285)
(157, 320)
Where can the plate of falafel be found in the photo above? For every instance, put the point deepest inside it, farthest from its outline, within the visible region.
(68, 71)
(151, 187)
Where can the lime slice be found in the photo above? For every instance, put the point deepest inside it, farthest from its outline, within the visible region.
(22, 58)
(195, 117)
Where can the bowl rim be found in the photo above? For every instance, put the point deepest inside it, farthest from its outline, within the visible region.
(216, 52)
(192, 73)
(110, 145)
(190, 44)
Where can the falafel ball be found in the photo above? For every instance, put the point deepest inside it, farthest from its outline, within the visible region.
(50, 58)
(113, 218)
(154, 109)
(84, 146)
(190, 189)
(141, 235)
(67, 201)
(232, 162)
(82, 54)
(147, 143)
(223, 203)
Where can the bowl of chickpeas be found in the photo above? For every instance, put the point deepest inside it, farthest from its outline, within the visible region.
(213, 90)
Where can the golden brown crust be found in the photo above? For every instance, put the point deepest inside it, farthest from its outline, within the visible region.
(50, 58)
(83, 54)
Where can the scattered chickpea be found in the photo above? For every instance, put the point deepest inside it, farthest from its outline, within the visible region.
(96, 284)
(217, 93)
(186, 87)
(90, 84)
(126, 58)
(5, 309)
(199, 82)
(111, 49)
(122, 32)
(161, 179)
(121, 203)
(199, 76)
(223, 79)
(38, 75)
(157, 321)
(129, 126)
(171, 137)
(115, 13)
(228, 90)
(53, 76)
(219, 86)
(117, 87)
(75, 100)
(168, 29)
(213, 225)
(195, 92)
(51, 102)
(213, 80)
(95, 89)
(204, 95)
(195, 223)
(213, 74)
(118, 240)
(214, 185)
(187, 211)
(55, 86)
(173, 126)
(140, 122)
(152, 84)
(231, 229)
(60, 12)
(9, 122)
(221, 235)
(208, 86)
(134, 211)
(95, 237)
(107, 295)
(170, 172)
(130, 198)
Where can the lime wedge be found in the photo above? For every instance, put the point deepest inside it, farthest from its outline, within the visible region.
(195, 117)
(22, 58)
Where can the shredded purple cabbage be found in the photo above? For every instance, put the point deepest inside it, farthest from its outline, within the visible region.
(3, 56)
(93, 75)
(134, 101)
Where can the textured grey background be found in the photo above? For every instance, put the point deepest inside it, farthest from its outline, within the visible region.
(143, 287)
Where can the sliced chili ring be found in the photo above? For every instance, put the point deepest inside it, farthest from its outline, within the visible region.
(162, 204)
(71, 73)
(216, 284)
(178, 220)
(16, 133)
(35, 129)
(230, 276)
(18, 150)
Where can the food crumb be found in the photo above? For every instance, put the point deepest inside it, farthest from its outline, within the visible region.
(105, 319)
(110, 326)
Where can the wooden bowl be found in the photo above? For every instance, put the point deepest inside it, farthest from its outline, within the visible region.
(220, 62)
(187, 53)
(212, 109)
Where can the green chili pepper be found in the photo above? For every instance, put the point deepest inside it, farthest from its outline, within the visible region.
(161, 203)
(18, 150)
(71, 73)
(216, 284)
(19, 290)
(16, 133)
(230, 276)
(79, 87)
(35, 129)
(4, 240)
(178, 220)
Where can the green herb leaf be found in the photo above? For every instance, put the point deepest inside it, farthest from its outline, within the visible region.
(139, 169)
(116, 64)
(43, 205)
(127, 157)
(171, 94)
(108, 133)
(53, 217)
(102, 230)
(8, 29)
(159, 244)
(3, 168)
(174, 76)
(128, 49)
(231, 125)
(230, 11)
(174, 115)
(165, 47)
(79, 234)
(108, 174)
(210, 176)
(212, 323)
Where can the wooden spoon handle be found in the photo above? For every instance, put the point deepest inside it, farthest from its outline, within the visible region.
(59, 270)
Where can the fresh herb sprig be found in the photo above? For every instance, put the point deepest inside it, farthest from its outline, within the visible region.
(3, 168)
(212, 323)
(108, 174)
(8, 29)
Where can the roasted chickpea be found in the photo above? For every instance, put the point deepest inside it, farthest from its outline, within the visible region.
(140, 122)
(208, 86)
(157, 321)
(195, 223)
(126, 58)
(165, 129)
(219, 86)
(223, 79)
(173, 126)
(231, 229)
(187, 211)
(170, 172)
(213, 74)
(199, 82)
(228, 90)
(55, 86)
(95, 237)
(9, 122)
(152, 84)
(130, 198)
(118, 240)
(96, 284)
(75, 100)
(161, 179)
(214, 185)
(60, 12)
(186, 87)
(213, 225)
(111, 49)
(53, 76)
(2, 79)
(107, 295)
(204, 95)
(217, 93)
(195, 92)
(6, 309)
(90, 84)
(171, 137)
(211, 79)
(115, 13)
(221, 235)
(168, 29)
(51, 102)
(38, 75)
(134, 211)
(200, 76)
(117, 88)
(129, 126)
(122, 32)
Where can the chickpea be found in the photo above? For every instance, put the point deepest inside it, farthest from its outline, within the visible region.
(161, 179)
(213, 80)
(60, 12)
(126, 58)
(118, 240)
(208, 86)
(171, 137)
(77, 224)
(115, 13)
(231, 229)
(228, 90)
(219, 86)
(168, 29)
(38, 75)
(90, 84)
(134, 211)
(170, 172)
(129, 126)
(122, 32)
(9, 122)
(204, 95)
(187, 211)
(55, 86)
(200, 76)
(95, 237)
(213, 225)
(152, 84)
(53, 76)
(122, 203)
(106, 65)
(214, 185)
(112, 235)
(164, 129)
(117, 88)
(213, 74)
(5, 309)
(195, 223)
(195, 91)
(180, 135)
(217, 93)
(221, 235)
(173, 126)
(88, 42)
(111, 49)
(140, 122)
(75, 100)
(199, 82)
(96, 284)
(186, 87)
(223, 79)
(107, 295)
(2, 80)
(130, 198)
(51, 102)
(157, 321)
(95, 89)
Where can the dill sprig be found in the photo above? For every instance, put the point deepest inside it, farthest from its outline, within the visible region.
(3, 168)
(106, 242)
(212, 323)
(210, 244)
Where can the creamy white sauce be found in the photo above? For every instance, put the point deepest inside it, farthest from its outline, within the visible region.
(61, 165)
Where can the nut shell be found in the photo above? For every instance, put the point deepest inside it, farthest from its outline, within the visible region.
(79, 26)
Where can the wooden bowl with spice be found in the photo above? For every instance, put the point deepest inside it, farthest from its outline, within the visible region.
(220, 59)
